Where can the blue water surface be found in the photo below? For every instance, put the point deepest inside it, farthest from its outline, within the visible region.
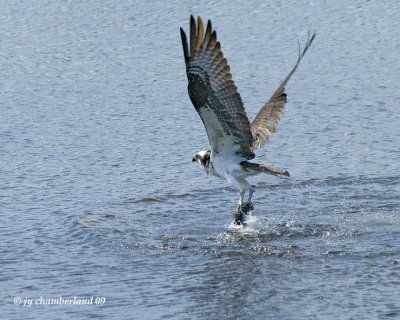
(99, 198)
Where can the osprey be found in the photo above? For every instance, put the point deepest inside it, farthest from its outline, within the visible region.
(233, 139)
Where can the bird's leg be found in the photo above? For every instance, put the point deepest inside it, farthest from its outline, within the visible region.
(240, 214)
(251, 191)
(249, 205)
(240, 204)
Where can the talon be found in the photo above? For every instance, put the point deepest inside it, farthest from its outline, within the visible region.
(240, 219)
(240, 215)
(247, 207)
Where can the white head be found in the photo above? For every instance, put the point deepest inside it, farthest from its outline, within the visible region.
(203, 157)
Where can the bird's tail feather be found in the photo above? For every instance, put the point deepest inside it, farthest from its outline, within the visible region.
(256, 168)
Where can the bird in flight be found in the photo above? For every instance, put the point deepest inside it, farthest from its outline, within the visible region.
(233, 139)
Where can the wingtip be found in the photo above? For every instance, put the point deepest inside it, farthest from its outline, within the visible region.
(192, 22)
(310, 40)
(314, 34)
(287, 174)
(183, 37)
(185, 46)
(199, 21)
(209, 24)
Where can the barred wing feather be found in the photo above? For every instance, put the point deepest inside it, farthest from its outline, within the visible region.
(214, 94)
(266, 121)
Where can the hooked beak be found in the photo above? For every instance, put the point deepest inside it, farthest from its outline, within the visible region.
(194, 160)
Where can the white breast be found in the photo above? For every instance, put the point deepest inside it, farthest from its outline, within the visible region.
(227, 165)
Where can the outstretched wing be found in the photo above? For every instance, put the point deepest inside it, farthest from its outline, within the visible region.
(267, 119)
(214, 93)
